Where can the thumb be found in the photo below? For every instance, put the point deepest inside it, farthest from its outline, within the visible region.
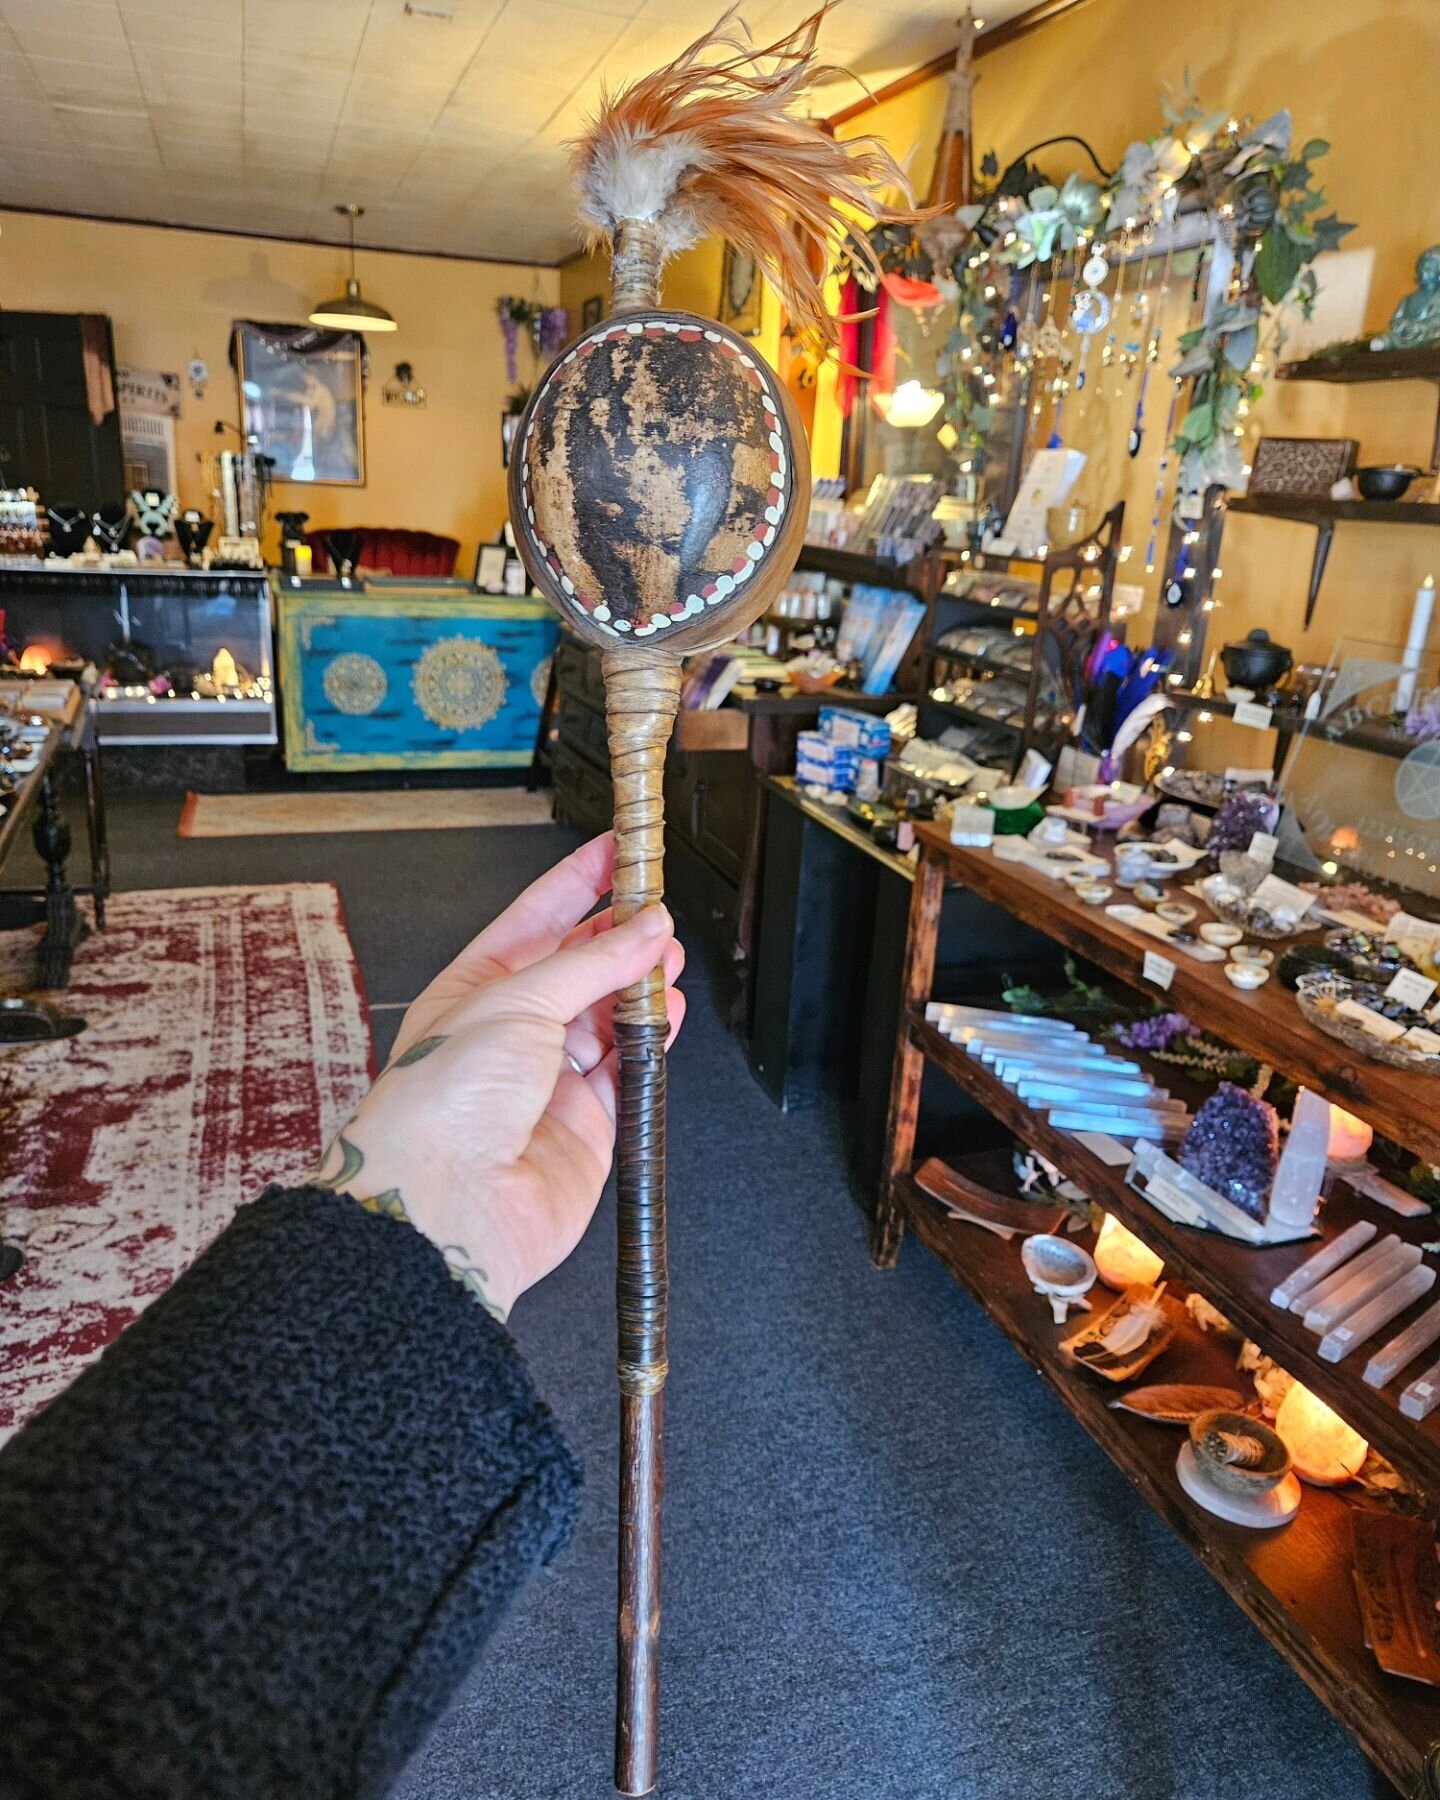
(559, 987)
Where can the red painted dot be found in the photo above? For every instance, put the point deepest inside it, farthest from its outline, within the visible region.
(740, 563)
(707, 592)
(758, 534)
(677, 611)
(688, 336)
(753, 377)
(728, 349)
(773, 497)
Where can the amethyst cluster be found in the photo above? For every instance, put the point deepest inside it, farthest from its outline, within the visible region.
(1239, 818)
(1233, 1145)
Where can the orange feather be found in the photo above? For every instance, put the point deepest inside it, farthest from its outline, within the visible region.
(708, 144)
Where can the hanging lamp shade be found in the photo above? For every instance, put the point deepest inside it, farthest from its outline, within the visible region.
(351, 311)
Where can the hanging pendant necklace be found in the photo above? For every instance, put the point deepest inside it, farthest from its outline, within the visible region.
(1162, 472)
(1089, 308)
(1152, 356)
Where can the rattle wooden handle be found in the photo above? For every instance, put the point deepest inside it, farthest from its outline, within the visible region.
(642, 692)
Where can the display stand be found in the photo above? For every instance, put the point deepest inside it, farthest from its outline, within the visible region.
(1294, 1583)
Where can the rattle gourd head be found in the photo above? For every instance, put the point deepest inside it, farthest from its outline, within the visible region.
(660, 482)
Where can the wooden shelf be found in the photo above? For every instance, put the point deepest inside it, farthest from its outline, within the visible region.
(834, 818)
(968, 714)
(1294, 1582)
(855, 565)
(1268, 1023)
(1321, 511)
(1236, 1277)
(1361, 365)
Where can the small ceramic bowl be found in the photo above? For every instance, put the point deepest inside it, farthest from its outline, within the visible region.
(1247, 975)
(1251, 953)
(1078, 878)
(1149, 893)
(1217, 932)
(1175, 912)
(1094, 893)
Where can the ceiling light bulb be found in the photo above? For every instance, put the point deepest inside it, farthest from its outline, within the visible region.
(351, 311)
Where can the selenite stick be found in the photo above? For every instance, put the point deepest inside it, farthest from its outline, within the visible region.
(1422, 1395)
(1324, 1262)
(1322, 1290)
(1388, 1304)
(1391, 1358)
(1360, 1290)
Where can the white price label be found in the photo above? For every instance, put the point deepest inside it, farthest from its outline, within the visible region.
(1263, 845)
(1276, 895)
(1410, 988)
(1158, 969)
(1247, 712)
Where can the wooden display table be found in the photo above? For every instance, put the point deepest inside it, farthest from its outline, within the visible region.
(1294, 1583)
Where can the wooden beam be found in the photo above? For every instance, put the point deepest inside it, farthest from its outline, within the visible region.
(986, 42)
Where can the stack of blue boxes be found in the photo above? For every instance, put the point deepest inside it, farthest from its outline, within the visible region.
(830, 758)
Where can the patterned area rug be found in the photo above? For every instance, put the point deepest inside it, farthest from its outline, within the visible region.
(227, 1040)
(415, 809)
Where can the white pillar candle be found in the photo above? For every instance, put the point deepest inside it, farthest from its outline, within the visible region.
(1420, 615)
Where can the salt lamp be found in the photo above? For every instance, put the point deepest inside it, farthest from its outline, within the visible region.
(223, 671)
(35, 659)
(1350, 1137)
(1122, 1259)
(1326, 1451)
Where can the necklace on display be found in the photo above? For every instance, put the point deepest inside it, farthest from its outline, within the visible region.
(1152, 356)
(1089, 307)
(1162, 472)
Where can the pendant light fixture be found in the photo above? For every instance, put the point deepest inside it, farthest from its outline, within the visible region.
(351, 311)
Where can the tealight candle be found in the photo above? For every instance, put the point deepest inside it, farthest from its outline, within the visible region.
(1350, 1138)
(1325, 1449)
(1122, 1259)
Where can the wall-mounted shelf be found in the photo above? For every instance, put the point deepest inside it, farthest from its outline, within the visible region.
(1324, 514)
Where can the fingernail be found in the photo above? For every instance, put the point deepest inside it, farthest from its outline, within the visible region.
(654, 921)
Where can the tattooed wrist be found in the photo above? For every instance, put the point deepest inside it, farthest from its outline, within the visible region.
(390, 1204)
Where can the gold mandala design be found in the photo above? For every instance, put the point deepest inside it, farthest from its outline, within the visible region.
(459, 684)
(540, 680)
(354, 683)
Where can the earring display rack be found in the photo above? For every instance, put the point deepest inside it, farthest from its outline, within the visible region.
(1294, 1583)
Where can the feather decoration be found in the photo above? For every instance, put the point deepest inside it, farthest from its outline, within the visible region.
(707, 144)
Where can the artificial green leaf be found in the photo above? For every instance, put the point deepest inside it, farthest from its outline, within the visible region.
(1277, 262)
(1330, 230)
(1195, 361)
(1188, 339)
(1315, 147)
(1239, 346)
(1199, 424)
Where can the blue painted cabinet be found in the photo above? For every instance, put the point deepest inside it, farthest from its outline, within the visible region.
(406, 676)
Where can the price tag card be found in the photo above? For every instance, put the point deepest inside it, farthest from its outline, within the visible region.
(1257, 717)
(1276, 895)
(1410, 988)
(1263, 845)
(1417, 938)
(1158, 969)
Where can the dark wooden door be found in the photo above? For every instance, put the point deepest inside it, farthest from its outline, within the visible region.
(48, 439)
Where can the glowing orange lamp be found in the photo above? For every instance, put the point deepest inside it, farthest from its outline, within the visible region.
(1122, 1259)
(1350, 1137)
(1326, 1451)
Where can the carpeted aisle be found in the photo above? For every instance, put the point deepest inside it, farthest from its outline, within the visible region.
(896, 1568)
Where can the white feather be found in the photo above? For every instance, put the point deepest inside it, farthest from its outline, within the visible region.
(636, 178)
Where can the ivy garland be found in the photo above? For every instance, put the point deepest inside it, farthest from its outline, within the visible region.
(1264, 196)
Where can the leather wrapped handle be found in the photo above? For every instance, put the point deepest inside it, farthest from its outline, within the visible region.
(642, 693)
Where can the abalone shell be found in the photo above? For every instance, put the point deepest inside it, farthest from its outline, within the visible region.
(660, 482)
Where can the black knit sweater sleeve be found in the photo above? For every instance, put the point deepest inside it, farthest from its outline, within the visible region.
(255, 1548)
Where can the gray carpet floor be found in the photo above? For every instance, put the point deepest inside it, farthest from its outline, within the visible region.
(896, 1569)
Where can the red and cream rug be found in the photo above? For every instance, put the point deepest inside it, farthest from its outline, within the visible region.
(228, 1038)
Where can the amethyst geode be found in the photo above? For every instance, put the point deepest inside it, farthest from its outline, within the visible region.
(1232, 1146)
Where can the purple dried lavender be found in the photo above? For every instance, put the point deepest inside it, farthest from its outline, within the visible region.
(1239, 818)
(1232, 1146)
(1423, 719)
(1156, 1032)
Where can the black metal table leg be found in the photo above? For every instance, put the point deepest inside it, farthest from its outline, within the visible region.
(99, 836)
(63, 924)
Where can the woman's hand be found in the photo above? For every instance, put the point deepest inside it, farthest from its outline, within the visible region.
(492, 1128)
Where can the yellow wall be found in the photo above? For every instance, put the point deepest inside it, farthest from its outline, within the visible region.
(173, 294)
(1361, 77)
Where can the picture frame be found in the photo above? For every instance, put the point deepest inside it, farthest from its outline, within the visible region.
(304, 406)
(592, 311)
(490, 560)
(742, 293)
(1300, 468)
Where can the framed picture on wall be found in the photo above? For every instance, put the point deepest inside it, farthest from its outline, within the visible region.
(742, 293)
(591, 312)
(302, 401)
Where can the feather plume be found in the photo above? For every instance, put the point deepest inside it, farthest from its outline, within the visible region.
(708, 144)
